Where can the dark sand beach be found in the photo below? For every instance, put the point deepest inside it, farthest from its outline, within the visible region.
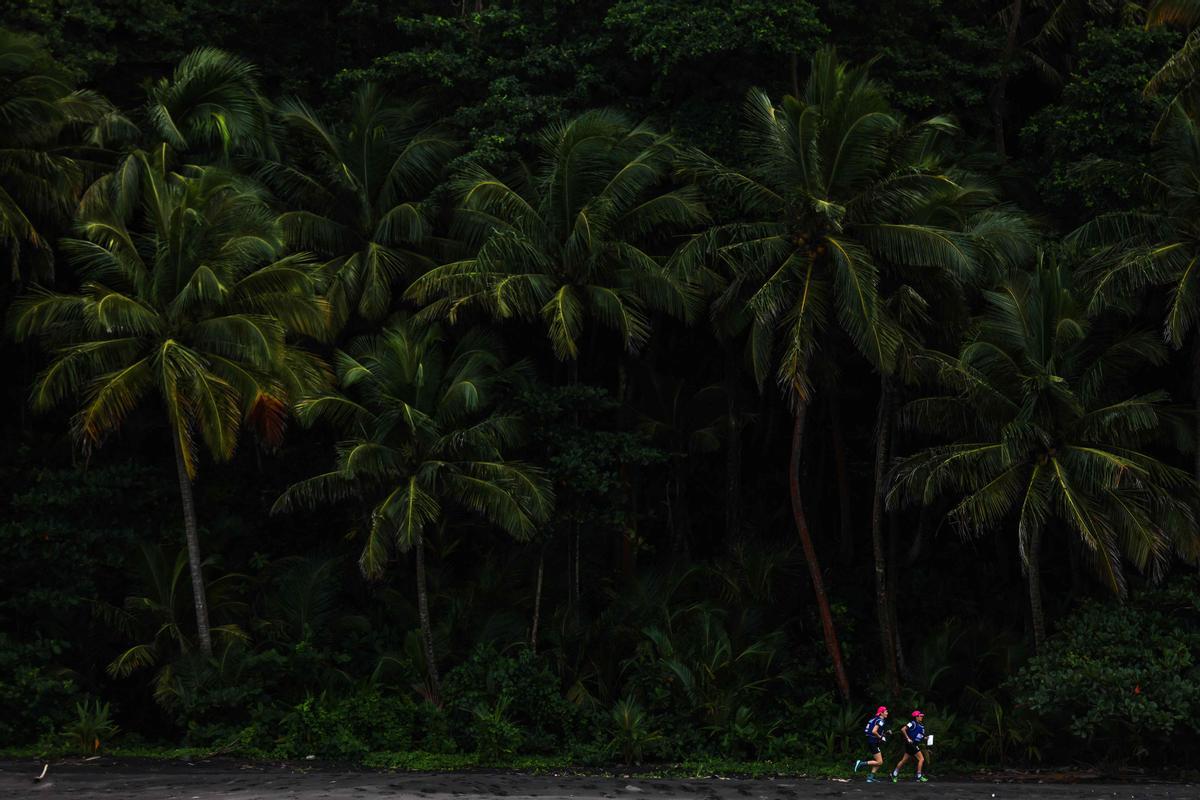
(156, 780)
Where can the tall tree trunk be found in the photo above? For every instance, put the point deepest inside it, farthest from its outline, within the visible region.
(199, 594)
(1196, 401)
(683, 516)
(810, 555)
(1034, 569)
(733, 456)
(573, 535)
(894, 589)
(537, 600)
(435, 682)
(845, 511)
(627, 471)
(1000, 87)
(883, 428)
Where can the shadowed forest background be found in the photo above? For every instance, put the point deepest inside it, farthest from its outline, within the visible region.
(600, 381)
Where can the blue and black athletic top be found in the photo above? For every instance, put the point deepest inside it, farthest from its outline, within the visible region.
(869, 730)
(916, 731)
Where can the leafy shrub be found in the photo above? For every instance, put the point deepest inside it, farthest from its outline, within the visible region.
(495, 737)
(92, 729)
(632, 730)
(1122, 678)
(534, 703)
(347, 728)
(35, 697)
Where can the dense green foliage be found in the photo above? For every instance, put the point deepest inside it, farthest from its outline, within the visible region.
(600, 381)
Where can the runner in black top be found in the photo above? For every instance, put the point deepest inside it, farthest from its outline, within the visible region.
(914, 737)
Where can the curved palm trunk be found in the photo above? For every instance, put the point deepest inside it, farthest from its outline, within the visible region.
(893, 582)
(733, 456)
(883, 611)
(845, 513)
(435, 683)
(573, 536)
(1196, 401)
(1035, 589)
(810, 555)
(199, 595)
(537, 600)
(1000, 88)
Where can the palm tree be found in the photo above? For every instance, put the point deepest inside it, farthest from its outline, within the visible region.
(835, 186)
(567, 242)
(185, 297)
(1183, 67)
(570, 243)
(210, 108)
(41, 116)
(424, 436)
(358, 193)
(156, 620)
(1049, 438)
(1158, 245)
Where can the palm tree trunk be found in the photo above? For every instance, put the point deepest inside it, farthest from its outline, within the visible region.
(1196, 401)
(199, 595)
(733, 455)
(883, 427)
(573, 535)
(894, 589)
(810, 554)
(1000, 87)
(845, 512)
(435, 683)
(1035, 589)
(683, 523)
(537, 600)
(628, 473)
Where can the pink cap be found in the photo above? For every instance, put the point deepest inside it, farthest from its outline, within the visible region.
(880, 710)
(918, 714)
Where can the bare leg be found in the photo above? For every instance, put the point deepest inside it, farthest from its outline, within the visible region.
(900, 765)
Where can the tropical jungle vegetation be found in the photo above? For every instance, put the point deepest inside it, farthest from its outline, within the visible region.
(603, 381)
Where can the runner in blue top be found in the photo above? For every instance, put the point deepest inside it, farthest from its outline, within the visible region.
(876, 735)
(914, 737)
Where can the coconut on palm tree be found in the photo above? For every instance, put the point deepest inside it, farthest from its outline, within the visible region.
(835, 188)
(425, 440)
(186, 302)
(1050, 441)
(356, 195)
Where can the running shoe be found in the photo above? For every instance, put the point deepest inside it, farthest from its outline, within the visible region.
(895, 778)
(857, 764)
(922, 779)
(872, 779)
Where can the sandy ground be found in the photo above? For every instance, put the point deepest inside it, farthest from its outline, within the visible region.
(243, 781)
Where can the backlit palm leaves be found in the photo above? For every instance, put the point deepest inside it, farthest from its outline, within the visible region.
(1049, 440)
(40, 115)
(211, 108)
(836, 187)
(1180, 72)
(185, 300)
(357, 195)
(424, 439)
(570, 243)
(1158, 245)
